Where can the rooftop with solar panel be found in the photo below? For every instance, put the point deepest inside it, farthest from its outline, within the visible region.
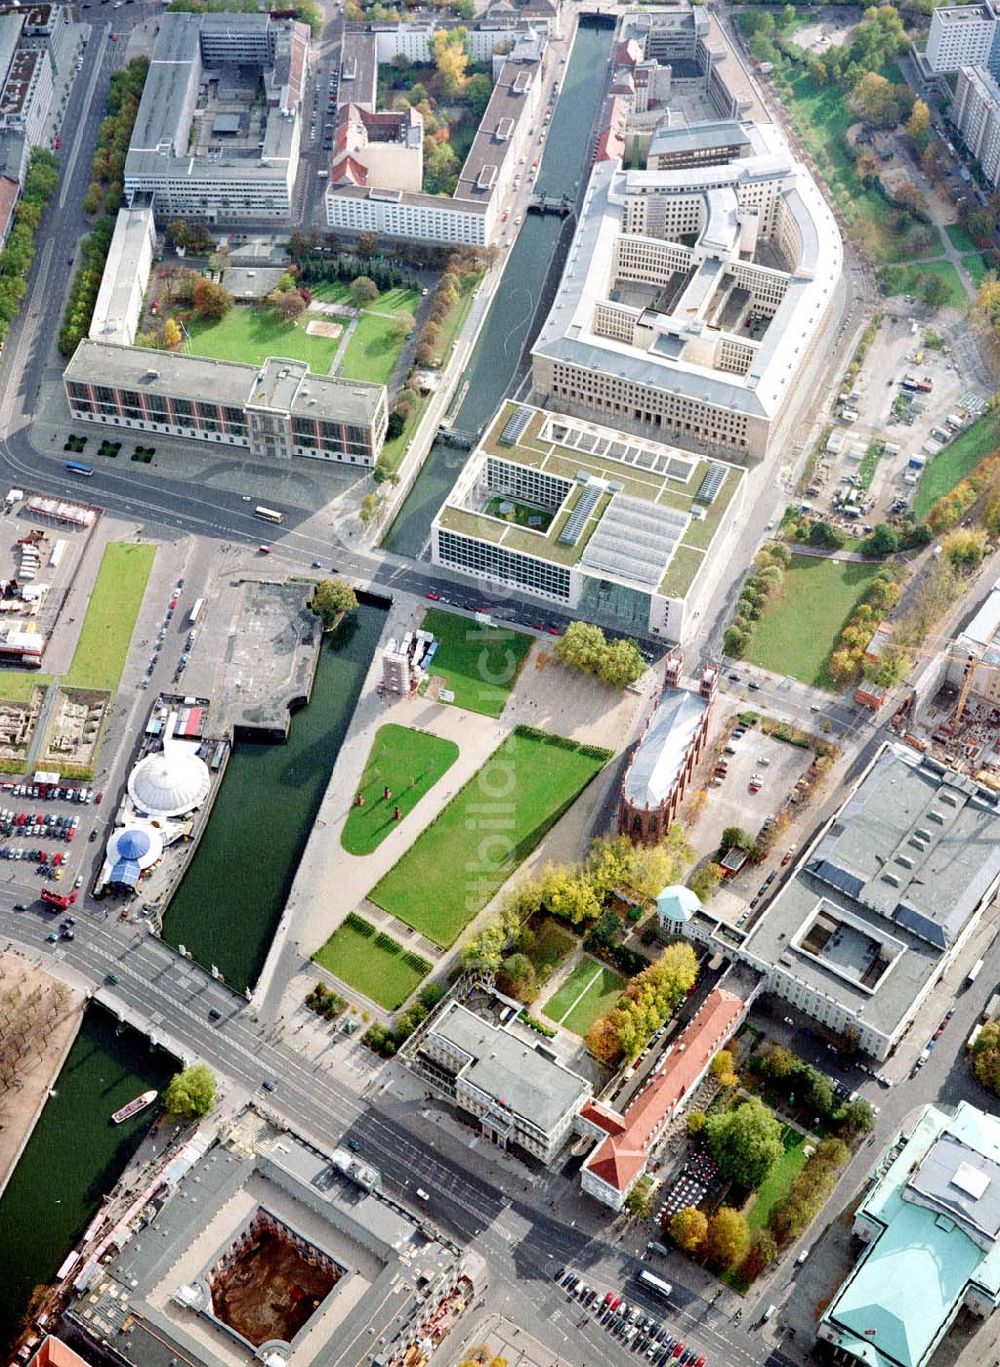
(574, 511)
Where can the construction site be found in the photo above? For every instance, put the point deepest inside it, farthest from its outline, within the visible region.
(953, 710)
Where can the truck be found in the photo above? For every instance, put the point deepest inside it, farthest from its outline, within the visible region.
(925, 384)
(970, 1042)
(971, 976)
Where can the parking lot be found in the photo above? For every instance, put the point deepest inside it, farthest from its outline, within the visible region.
(634, 1327)
(905, 420)
(775, 764)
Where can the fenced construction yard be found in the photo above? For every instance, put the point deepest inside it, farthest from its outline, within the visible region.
(371, 962)
(488, 828)
(480, 664)
(589, 992)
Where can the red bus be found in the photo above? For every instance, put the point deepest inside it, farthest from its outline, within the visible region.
(62, 900)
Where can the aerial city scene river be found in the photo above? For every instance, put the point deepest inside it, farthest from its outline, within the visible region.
(499, 722)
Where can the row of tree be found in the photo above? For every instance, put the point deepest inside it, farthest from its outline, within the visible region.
(107, 169)
(40, 181)
(789, 1076)
(761, 587)
(647, 1002)
(985, 1056)
(585, 648)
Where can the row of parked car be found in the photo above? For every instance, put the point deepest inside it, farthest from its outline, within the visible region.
(41, 825)
(48, 792)
(642, 1333)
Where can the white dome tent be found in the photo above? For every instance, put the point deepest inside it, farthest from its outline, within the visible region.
(171, 783)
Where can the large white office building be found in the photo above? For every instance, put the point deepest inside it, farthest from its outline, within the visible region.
(692, 297)
(218, 130)
(976, 115)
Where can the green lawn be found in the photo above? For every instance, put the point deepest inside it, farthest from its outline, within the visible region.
(600, 987)
(952, 464)
(408, 762)
(373, 350)
(797, 632)
(16, 684)
(907, 280)
(822, 116)
(959, 238)
(392, 301)
(779, 1182)
(251, 334)
(979, 265)
(551, 944)
(491, 824)
(479, 664)
(371, 962)
(107, 628)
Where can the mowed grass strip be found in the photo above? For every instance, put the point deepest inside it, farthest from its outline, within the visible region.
(798, 630)
(589, 992)
(107, 629)
(373, 350)
(778, 1182)
(408, 763)
(491, 824)
(371, 962)
(479, 664)
(950, 466)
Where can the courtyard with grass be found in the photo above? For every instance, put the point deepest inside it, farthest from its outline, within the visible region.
(373, 350)
(371, 962)
(589, 992)
(408, 763)
(778, 1182)
(950, 466)
(489, 827)
(798, 629)
(107, 629)
(251, 334)
(478, 663)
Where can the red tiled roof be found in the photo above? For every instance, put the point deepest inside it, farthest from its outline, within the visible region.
(349, 169)
(619, 1158)
(8, 198)
(609, 1121)
(55, 1353)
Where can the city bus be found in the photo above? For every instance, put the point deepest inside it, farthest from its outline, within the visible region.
(196, 611)
(268, 514)
(652, 1283)
(76, 467)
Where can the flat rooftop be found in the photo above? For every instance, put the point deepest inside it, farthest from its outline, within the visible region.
(510, 1070)
(646, 526)
(493, 141)
(359, 70)
(383, 1251)
(226, 382)
(887, 888)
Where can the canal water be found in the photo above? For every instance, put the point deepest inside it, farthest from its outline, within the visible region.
(74, 1156)
(232, 896)
(508, 322)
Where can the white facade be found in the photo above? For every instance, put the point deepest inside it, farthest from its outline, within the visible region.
(976, 113)
(126, 275)
(960, 36)
(424, 218)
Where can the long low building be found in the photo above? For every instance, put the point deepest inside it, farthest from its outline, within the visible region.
(880, 904)
(621, 530)
(692, 297)
(275, 411)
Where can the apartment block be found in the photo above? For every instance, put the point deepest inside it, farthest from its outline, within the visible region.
(961, 35)
(276, 411)
(976, 114)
